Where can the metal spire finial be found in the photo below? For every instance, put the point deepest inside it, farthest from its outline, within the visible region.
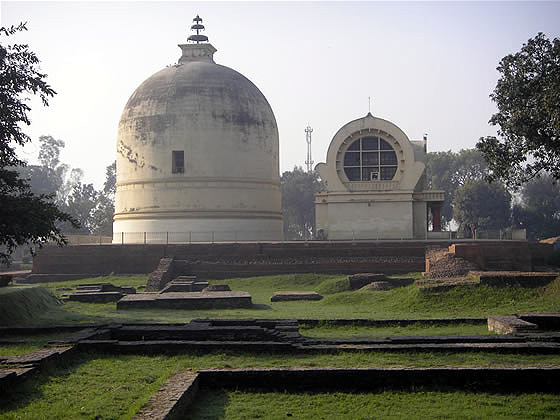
(197, 27)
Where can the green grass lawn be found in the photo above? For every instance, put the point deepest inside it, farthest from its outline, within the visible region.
(106, 386)
(18, 349)
(96, 385)
(407, 302)
(27, 343)
(387, 405)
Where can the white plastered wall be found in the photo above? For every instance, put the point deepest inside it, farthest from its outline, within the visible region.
(382, 209)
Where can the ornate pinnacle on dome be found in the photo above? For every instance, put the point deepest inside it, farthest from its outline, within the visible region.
(197, 27)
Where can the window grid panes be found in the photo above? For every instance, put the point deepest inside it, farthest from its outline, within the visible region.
(370, 159)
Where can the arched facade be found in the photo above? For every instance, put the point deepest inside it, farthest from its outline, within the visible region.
(376, 184)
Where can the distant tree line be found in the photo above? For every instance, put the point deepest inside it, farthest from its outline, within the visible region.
(298, 202)
(92, 209)
(471, 202)
(475, 204)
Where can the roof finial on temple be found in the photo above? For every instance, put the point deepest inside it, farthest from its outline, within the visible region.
(197, 27)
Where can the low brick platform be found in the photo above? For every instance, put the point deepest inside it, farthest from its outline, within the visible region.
(181, 285)
(291, 296)
(514, 278)
(192, 300)
(99, 293)
(442, 284)
(361, 280)
(510, 324)
(16, 368)
(378, 286)
(94, 297)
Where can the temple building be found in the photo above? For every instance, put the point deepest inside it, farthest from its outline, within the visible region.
(375, 185)
(197, 155)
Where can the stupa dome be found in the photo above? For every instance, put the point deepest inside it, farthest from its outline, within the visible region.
(197, 152)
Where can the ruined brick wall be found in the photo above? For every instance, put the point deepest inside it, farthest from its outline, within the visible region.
(162, 275)
(507, 255)
(222, 260)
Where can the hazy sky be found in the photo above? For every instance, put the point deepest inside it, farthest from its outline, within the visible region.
(428, 67)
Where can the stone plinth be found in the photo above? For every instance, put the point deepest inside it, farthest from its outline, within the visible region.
(186, 300)
(509, 324)
(290, 296)
(99, 293)
(185, 286)
(95, 297)
(104, 287)
(357, 281)
(378, 285)
(514, 278)
(511, 255)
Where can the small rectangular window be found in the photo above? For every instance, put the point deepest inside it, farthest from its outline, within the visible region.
(178, 162)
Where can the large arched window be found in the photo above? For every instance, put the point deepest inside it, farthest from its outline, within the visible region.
(370, 159)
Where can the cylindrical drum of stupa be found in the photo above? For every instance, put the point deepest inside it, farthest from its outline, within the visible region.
(197, 156)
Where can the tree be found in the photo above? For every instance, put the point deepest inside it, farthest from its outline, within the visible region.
(110, 185)
(298, 202)
(528, 99)
(480, 205)
(50, 176)
(24, 216)
(449, 170)
(539, 210)
(81, 205)
(102, 216)
(93, 209)
(49, 156)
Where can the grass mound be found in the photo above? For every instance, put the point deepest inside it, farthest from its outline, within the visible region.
(463, 301)
(488, 300)
(331, 286)
(408, 302)
(21, 303)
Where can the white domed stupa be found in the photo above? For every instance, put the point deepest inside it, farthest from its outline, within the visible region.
(197, 155)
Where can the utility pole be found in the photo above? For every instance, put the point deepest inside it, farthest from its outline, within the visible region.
(309, 161)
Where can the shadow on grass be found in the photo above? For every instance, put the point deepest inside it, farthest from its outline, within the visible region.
(261, 306)
(209, 404)
(29, 390)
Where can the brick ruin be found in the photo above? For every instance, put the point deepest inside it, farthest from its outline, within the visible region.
(226, 260)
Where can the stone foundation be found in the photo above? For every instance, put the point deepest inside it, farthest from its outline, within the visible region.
(189, 301)
(291, 296)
